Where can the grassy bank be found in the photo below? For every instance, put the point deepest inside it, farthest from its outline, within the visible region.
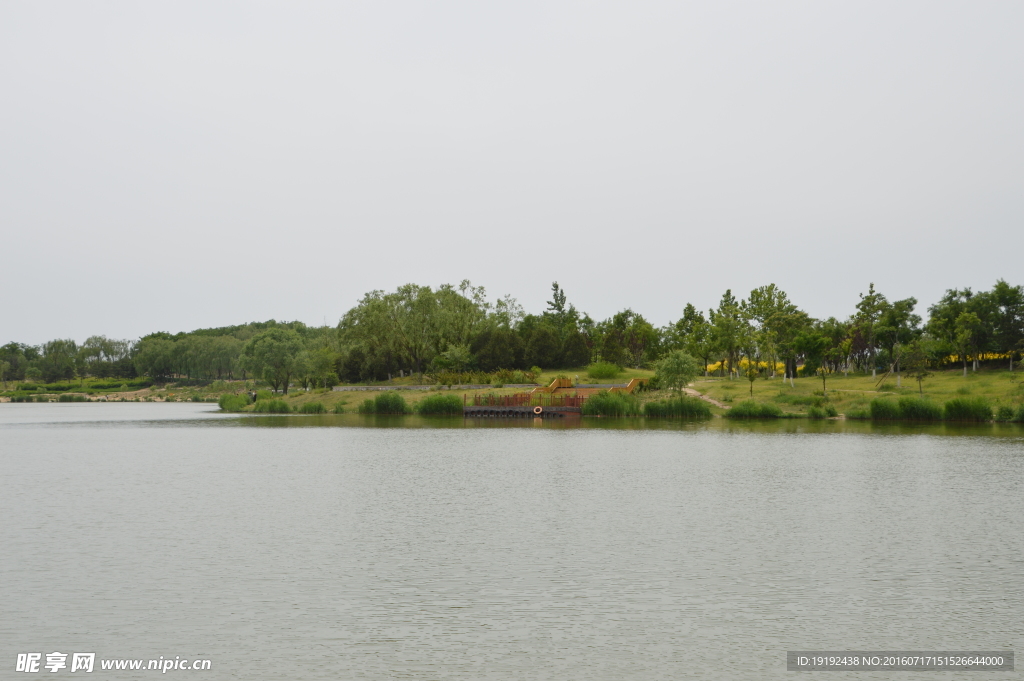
(855, 394)
(851, 396)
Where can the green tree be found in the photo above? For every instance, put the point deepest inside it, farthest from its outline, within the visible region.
(700, 341)
(59, 360)
(457, 315)
(15, 355)
(752, 374)
(815, 346)
(456, 358)
(498, 348)
(5, 371)
(730, 330)
(399, 323)
(869, 311)
(677, 369)
(273, 355)
(917, 361)
(155, 357)
(1008, 330)
(575, 351)
(543, 348)
(968, 335)
(771, 312)
(897, 326)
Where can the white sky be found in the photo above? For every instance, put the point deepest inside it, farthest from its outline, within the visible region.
(169, 166)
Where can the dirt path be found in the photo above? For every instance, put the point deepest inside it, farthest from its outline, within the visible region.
(691, 391)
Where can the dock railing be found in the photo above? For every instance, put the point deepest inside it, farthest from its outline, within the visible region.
(528, 400)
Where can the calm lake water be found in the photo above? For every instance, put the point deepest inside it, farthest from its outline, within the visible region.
(346, 547)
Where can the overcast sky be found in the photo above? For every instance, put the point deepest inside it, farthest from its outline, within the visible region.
(170, 166)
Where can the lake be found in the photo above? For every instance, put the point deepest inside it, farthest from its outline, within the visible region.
(351, 547)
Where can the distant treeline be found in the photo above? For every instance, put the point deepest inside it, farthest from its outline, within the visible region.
(452, 329)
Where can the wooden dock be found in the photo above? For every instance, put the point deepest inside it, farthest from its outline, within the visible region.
(520, 412)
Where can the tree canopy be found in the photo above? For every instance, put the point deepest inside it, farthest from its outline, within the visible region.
(456, 328)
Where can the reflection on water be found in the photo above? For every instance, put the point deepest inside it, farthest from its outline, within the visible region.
(191, 414)
(337, 547)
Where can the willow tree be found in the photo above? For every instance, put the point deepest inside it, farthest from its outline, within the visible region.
(274, 356)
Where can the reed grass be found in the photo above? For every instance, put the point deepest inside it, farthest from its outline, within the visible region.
(272, 407)
(439, 404)
(678, 407)
(606, 403)
(968, 409)
(385, 403)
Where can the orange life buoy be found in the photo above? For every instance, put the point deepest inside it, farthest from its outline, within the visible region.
(538, 410)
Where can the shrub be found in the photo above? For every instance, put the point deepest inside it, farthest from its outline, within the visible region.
(339, 408)
(677, 369)
(968, 409)
(121, 385)
(233, 402)
(440, 404)
(606, 403)
(33, 398)
(385, 403)
(72, 398)
(602, 370)
(678, 407)
(858, 414)
(1018, 416)
(1004, 413)
(313, 408)
(919, 409)
(272, 407)
(264, 395)
(884, 410)
(495, 383)
(815, 413)
(751, 409)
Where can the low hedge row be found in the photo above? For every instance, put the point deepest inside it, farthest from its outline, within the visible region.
(907, 408)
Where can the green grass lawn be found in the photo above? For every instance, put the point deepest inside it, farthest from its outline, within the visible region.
(998, 386)
(351, 399)
(856, 392)
(623, 376)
